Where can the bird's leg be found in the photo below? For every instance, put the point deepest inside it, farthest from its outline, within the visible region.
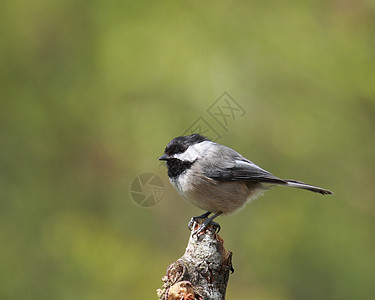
(193, 219)
(204, 225)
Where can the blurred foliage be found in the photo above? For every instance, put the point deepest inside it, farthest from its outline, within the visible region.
(92, 91)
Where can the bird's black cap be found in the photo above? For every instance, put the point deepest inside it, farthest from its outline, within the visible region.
(181, 143)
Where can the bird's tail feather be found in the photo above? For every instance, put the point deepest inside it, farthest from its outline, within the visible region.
(302, 185)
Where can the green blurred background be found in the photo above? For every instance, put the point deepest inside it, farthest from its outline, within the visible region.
(92, 91)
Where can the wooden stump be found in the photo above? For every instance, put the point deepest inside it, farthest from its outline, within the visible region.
(202, 272)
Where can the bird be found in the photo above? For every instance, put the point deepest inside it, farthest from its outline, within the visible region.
(217, 179)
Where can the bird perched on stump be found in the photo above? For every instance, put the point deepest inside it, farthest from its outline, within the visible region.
(218, 179)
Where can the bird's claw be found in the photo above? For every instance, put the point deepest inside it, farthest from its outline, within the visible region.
(191, 223)
(204, 225)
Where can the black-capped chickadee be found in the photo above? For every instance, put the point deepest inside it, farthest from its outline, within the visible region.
(216, 178)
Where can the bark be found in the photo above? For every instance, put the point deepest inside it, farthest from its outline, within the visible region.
(202, 272)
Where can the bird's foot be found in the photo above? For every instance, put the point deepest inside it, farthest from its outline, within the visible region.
(205, 224)
(207, 221)
(195, 219)
(216, 226)
(191, 223)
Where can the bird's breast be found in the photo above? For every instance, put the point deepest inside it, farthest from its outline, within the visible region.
(212, 195)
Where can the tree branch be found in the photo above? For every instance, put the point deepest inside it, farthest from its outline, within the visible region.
(202, 272)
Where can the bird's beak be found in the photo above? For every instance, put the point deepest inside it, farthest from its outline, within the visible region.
(164, 157)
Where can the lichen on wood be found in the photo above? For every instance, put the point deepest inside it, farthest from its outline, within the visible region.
(202, 272)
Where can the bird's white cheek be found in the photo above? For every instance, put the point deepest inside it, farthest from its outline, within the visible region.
(189, 155)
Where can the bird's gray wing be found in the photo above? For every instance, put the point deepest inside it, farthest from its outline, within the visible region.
(234, 167)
